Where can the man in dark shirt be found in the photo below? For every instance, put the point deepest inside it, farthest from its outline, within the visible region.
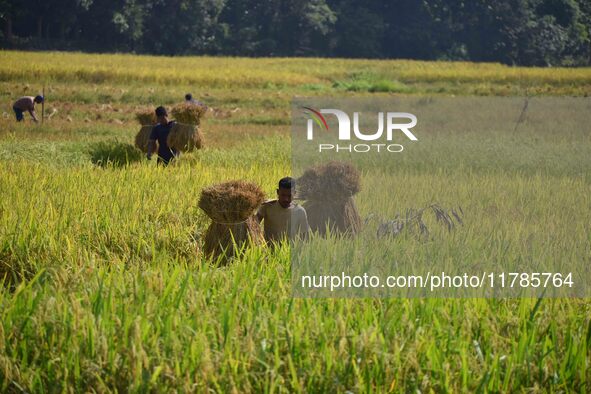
(160, 133)
(26, 103)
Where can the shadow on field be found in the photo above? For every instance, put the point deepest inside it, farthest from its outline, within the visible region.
(114, 153)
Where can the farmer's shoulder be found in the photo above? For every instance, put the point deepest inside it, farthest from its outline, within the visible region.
(269, 204)
(160, 128)
(168, 127)
(265, 206)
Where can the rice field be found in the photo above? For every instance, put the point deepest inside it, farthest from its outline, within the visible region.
(105, 291)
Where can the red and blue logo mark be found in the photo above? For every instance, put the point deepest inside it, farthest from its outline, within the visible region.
(317, 117)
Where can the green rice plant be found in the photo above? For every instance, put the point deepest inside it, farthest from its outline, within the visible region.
(114, 153)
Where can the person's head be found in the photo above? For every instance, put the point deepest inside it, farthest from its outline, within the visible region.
(162, 115)
(285, 191)
(38, 99)
(188, 97)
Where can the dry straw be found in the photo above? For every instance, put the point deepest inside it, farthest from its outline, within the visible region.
(188, 113)
(328, 190)
(146, 116)
(142, 138)
(413, 222)
(184, 137)
(231, 207)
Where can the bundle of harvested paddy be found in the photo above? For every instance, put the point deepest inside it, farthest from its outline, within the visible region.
(188, 113)
(328, 190)
(231, 206)
(142, 138)
(184, 137)
(146, 117)
(339, 216)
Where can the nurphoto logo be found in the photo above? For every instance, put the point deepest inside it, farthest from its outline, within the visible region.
(395, 121)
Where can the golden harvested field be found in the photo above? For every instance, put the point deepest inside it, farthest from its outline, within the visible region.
(104, 289)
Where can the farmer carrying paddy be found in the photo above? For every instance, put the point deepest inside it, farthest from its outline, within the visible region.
(160, 133)
(278, 215)
(26, 103)
(190, 100)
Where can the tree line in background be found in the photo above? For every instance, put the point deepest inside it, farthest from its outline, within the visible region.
(523, 32)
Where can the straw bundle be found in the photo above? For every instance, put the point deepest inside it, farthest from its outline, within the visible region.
(142, 138)
(231, 206)
(188, 113)
(185, 137)
(340, 216)
(328, 190)
(333, 180)
(146, 117)
(224, 241)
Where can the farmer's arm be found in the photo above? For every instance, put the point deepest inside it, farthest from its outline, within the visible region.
(261, 213)
(32, 112)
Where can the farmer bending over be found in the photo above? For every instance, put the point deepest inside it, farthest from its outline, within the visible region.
(160, 133)
(26, 103)
(282, 217)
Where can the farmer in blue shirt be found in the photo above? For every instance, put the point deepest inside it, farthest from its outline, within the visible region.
(160, 133)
